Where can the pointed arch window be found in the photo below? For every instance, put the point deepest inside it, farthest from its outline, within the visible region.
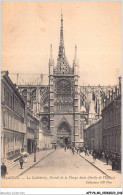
(64, 127)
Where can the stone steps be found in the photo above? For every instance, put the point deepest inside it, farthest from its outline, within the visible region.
(10, 163)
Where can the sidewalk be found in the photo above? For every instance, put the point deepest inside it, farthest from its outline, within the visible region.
(102, 166)
(17, 171)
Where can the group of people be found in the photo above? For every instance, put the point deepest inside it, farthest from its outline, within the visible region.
(68, 147)
(106, 156)
(115, 158)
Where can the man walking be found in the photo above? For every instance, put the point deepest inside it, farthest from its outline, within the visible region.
(113, 161)
(107, 158)
(77, 150)
(73, 150)
(55, 147)
(65, 148)
(21, 162)
(3, 170)
(94, 156)
(85, 152)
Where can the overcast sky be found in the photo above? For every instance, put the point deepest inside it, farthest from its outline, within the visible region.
(28, 29)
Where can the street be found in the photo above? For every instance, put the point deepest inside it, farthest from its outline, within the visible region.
(62, 169)
(64, 164)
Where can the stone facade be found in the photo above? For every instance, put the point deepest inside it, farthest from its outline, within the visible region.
(13, 119)
(111, 121)
(92, 98)
(44, 140)
(105, 134)
(32, 132)
(93, 136)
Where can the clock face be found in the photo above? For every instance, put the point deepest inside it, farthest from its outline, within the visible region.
(63, 87)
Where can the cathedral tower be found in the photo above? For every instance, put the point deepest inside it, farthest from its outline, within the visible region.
(64, 97)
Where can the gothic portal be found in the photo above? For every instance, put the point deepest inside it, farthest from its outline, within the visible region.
(64, 97)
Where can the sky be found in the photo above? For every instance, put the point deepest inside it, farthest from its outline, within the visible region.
(29, 27)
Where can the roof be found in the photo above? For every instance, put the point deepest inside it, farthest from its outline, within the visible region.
(118, 98)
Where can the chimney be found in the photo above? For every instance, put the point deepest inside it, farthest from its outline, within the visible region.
(115, 91)
(111, 96)
(120, 85)
(118, 90)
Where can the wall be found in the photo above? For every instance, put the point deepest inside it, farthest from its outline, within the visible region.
(93, 136)
(111, 120)
(13, 119)
(44, 141)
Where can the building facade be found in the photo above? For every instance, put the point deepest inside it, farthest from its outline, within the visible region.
(32, 133)
(111, 121)
(13, 119)
(93, 136)
(64, 104)
(105, 134)
(44, 140)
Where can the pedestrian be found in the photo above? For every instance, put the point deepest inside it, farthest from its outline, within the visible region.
(77, 150)
(94, 157)
(55, 147)
(113, 161)
(116, 162)
(107, 158)
(21, 162)
(85, 152)
(103, 156)
(65, 148)
(73, 150)
(3, 170)
(119, 162)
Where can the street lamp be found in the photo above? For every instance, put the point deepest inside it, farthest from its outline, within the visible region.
(35, 145)
(35, 151)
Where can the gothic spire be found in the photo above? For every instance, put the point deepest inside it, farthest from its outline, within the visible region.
(62, 63)
(61, 31)
(51, 54)
(75, 56)
(61, 46)
(76, 62)
(51, 61)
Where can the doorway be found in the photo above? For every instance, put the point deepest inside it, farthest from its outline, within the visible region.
(64, 134)
(66, 141)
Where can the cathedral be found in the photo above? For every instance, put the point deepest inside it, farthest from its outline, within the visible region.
(62, 106)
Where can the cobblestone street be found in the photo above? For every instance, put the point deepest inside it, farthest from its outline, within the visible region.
(61, 163)
(60, 169)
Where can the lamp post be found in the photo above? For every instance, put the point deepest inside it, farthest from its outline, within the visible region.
(35, 145)
(35, 151)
